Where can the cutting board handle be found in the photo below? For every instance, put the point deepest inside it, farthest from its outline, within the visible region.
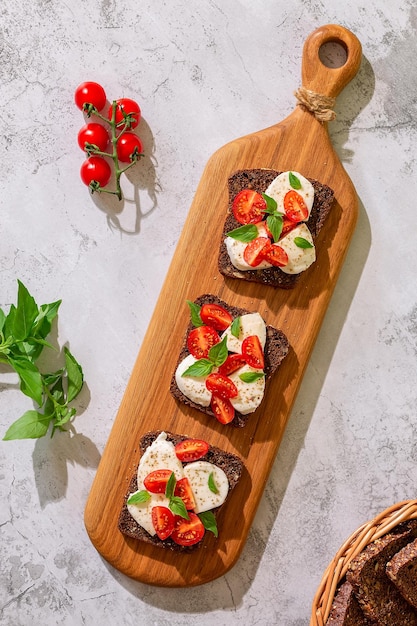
(329, 81)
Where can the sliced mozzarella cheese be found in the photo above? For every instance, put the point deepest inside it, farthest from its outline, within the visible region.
(142, 513)
(198, 474)
(159, 455)
(250, 324)
(250, 395)
(281, 185)
(236, 248)
(299, 259)
(193, 387)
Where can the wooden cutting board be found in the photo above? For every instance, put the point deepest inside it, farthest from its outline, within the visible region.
(301, 143)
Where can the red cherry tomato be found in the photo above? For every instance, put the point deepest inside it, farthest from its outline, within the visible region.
(191, 450)
(223, 409)
(215, 316)
(252, 351)
(200, 340)
(276, 255)
(95, 134)
(254, 251)
(156, 481)
(183, 490)
(248, 207)
(95, 169)
(187, 532)
(295, 208)
(163, 520)
(129, 146)
(90, 93)
(233, 363)
(287, 226)
(221, 386)
(125, 107)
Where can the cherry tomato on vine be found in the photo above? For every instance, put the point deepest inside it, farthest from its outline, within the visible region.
(95, 134)
(127, 145)
(91, 93)
(96, 169)
(126, 106)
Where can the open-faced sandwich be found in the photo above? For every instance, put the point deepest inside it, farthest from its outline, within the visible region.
(227, 356)
(179, 486)
(272, 224)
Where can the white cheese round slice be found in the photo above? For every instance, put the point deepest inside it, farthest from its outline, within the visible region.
(299, 259)
(281, 185)
(250, 395)
(250, 324)
(198, 474)
(193, 387)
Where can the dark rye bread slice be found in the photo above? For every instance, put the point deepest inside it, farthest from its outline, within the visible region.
(402, 571)
(228, 462)
(276, 349)
(346, 610)
(378, 597)
(259, 180)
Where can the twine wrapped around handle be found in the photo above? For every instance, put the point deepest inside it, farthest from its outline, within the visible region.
(318, 104)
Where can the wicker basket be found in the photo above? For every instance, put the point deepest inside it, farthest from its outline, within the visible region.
(337, 568)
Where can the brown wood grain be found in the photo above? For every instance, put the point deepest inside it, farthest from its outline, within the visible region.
(301, 143)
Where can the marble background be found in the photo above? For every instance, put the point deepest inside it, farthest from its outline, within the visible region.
(204, 73)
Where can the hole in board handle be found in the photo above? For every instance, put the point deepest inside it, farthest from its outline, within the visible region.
(333, 54)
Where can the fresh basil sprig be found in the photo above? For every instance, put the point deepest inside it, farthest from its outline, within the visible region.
(23, 333)
(274, 218)
(216, 357)
(176, 504)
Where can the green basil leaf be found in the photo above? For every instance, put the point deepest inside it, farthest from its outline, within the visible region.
(294, 181)
(251, 377)
(26, 312)
(212, 483)
(302, 243)
(43, 322)
(275, 223)
(52, 378)
(178, 507)
(218, 353)
(271, 204)
(65, 416)
(31, 425)
(170, 488)
(139, 497)
(195, 313)
(2, 319)
(209, 522)
(244, 233)
(74, 374)
(30, 379)
(9, 322)
(202, 367)
(235, 327)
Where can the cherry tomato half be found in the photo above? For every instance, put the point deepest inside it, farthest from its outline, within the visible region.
(223, 409)
(248, 207)
(221, 386)
(215, 316)
(156, 481)
(129, 147)
(183, 490)
(233, 363)
(95, 134)
(163, 520)
(96, 169)
(252, 351)
(124, 107)
(276, 255)
(187, 532)
(200, 340)
(191, 449)
(295, 208)
(90, 93)
(254, 251)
